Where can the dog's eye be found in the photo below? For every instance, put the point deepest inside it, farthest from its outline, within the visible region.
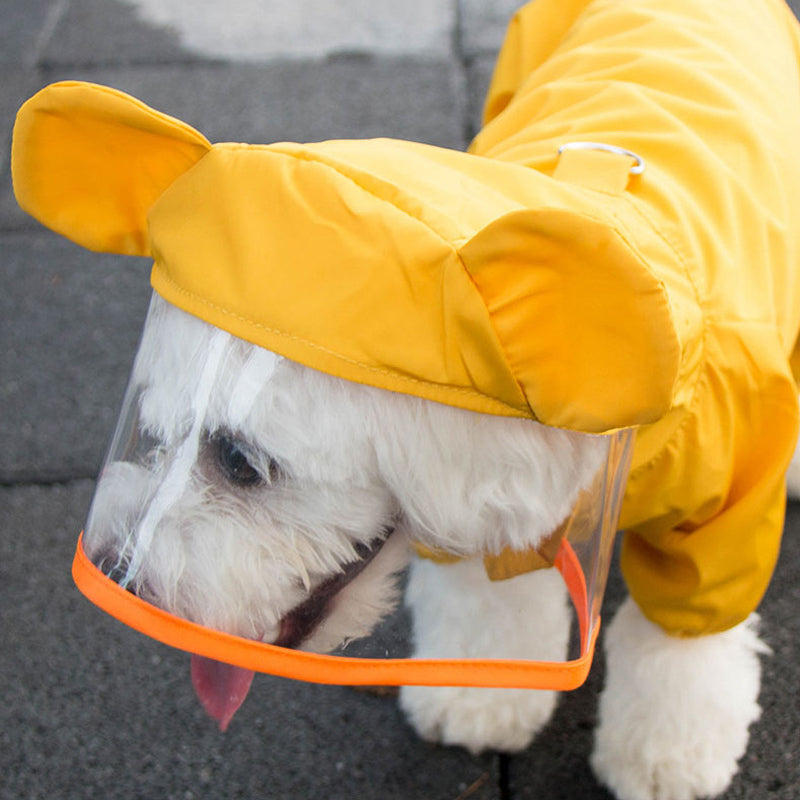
(233, 463)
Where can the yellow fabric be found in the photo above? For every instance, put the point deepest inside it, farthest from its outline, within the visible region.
(508, 563)
(78, 167)
(408, 267)
(594, 169)
(707, 93)
(489, 281)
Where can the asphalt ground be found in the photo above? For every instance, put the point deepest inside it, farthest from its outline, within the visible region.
(91, 709)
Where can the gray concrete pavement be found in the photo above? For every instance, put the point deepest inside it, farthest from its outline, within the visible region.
(91, 709)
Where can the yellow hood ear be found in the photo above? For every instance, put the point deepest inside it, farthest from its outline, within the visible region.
(88, 162)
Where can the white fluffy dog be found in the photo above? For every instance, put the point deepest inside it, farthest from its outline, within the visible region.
(314, 478)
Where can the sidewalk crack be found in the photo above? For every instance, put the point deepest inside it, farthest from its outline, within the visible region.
(504, 776)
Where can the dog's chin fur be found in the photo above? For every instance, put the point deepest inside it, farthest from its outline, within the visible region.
(344, 464)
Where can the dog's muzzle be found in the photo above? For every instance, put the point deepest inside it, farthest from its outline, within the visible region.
(299, 623)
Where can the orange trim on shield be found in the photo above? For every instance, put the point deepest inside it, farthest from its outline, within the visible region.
(344, 670)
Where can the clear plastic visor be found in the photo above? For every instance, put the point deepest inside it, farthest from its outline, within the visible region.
(211, 530)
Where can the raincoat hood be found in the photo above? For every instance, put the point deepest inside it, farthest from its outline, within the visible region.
(411, 268)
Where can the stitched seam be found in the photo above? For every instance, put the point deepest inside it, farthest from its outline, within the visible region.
(292, 337)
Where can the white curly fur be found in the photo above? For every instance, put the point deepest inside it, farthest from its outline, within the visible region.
(458, 612)
(675, 713)
(352, 459)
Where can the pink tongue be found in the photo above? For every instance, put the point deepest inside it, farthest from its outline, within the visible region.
(221, 688)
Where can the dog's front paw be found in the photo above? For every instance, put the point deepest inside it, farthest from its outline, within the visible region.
(477, 719)
(679, 771)
(675, 713)
(459, 613)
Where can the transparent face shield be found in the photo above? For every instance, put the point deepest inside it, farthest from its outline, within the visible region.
(236, 520)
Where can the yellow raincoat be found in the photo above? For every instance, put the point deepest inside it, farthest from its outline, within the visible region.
(514, 280)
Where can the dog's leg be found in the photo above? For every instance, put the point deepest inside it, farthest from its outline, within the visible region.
(459, 613)
(675, 713)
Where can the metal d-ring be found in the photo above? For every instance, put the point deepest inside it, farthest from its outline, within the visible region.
(636, 169)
